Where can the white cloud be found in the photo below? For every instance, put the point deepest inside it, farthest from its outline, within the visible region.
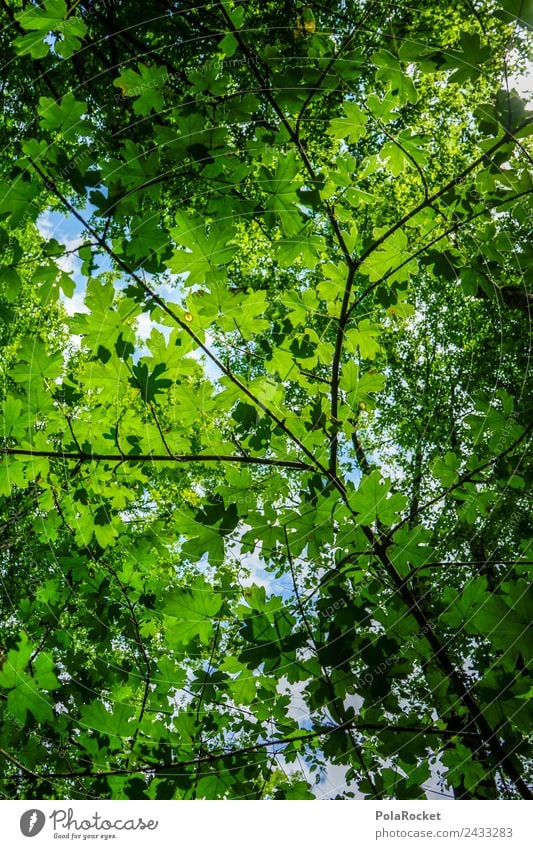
(523, 83)
(75, 304)
(50, 229)
(145, 325)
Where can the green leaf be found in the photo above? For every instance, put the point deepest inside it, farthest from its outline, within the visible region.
(116, 723)
(390, 71)
(44, 18)
(150, 384)
(37, 363)
(411, 547)
(11, 283)
(364, 338)
(26, 690)
(52, 17)
(519, 11)
(229, 44)
(461, 607)
(353, 127)
(462, 766)
(16, 200)
(506, 620)
(31, 45)
(243, 688)
(190, 613)
(446, 468)
(15, 663)
(372, 501)
(146, 86)
(206, 249)
(282, 186)
(388, 256)
(65, 117)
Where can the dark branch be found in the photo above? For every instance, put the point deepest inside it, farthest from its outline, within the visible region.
(84, 457)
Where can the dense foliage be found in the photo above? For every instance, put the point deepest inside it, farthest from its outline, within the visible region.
(265, 304)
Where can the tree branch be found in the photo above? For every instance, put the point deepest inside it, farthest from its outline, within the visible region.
(85, 457)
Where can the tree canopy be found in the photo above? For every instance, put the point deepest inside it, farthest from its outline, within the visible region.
(265, 302)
